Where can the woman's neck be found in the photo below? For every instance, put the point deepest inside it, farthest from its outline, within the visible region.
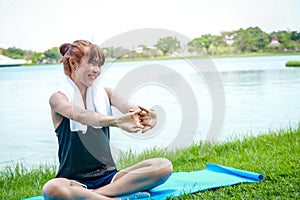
(82, 88)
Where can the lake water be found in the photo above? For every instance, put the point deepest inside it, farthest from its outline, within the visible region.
(260, 94)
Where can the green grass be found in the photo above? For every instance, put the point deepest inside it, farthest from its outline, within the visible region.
(275, 154)
(293, 64)
(19, 181)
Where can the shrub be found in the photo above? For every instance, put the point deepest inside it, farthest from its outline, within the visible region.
(292, 64)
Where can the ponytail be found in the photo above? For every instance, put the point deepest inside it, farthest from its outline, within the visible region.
(64, 48)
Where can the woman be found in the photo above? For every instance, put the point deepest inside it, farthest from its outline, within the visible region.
(81, 117)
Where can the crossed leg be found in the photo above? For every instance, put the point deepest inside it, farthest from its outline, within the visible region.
(142, 176)
(62, 188)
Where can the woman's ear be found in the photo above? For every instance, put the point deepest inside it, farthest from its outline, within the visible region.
(73, 64)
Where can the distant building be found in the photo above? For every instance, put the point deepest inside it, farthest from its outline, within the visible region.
(6, 61)
(274, 42)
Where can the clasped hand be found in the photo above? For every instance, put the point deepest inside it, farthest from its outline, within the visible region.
(136, 120)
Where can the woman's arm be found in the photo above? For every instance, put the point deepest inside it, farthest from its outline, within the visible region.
(120, 102)
(148, 118)
(60, 105)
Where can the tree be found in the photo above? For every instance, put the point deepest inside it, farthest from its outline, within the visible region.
(251, 39)
(194, 47)
(34, 57)
(202, 42)
(108, 52)
(120, 52)
(14, 52)
(168, 45)
(290, 40)
(295, 36)
(52, 55)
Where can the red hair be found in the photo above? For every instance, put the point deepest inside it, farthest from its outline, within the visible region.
(77, 50)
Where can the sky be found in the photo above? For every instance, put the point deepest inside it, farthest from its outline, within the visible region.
(39, 25)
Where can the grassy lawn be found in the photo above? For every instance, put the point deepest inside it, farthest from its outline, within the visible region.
(275, 154)
(293, 64)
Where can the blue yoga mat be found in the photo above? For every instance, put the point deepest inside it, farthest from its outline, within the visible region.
(213, 176)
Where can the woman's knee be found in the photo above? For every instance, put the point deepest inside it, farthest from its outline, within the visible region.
(56, 188)
(163, 167)
(168, 166)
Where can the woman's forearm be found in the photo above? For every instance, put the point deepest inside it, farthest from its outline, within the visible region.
(91, 118)
(120, 102)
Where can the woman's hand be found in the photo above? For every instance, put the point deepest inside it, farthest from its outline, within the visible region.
(130, 121)
(148, 118)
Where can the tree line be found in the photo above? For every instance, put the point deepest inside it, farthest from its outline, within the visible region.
(242, 41)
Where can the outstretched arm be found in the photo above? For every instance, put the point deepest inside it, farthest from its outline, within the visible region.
(60, 106)
(148, 118)
(120, 102)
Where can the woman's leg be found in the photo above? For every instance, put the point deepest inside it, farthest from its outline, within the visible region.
(140, 177)
(61, 188)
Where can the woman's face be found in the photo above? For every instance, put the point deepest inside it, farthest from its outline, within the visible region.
(86, 73)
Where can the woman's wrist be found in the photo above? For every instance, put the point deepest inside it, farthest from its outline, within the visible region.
(116, 122)
(105, 120)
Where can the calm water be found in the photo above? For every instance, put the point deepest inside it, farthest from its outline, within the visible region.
(261, 94)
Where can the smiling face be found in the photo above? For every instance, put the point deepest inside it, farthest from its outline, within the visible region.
(82, 62)
(86, 72)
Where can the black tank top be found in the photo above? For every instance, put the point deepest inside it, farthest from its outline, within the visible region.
(83, 156)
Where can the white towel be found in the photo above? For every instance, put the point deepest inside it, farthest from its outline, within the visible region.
(96, 100)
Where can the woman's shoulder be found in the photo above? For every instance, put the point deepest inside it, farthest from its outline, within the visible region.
(57, 96)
